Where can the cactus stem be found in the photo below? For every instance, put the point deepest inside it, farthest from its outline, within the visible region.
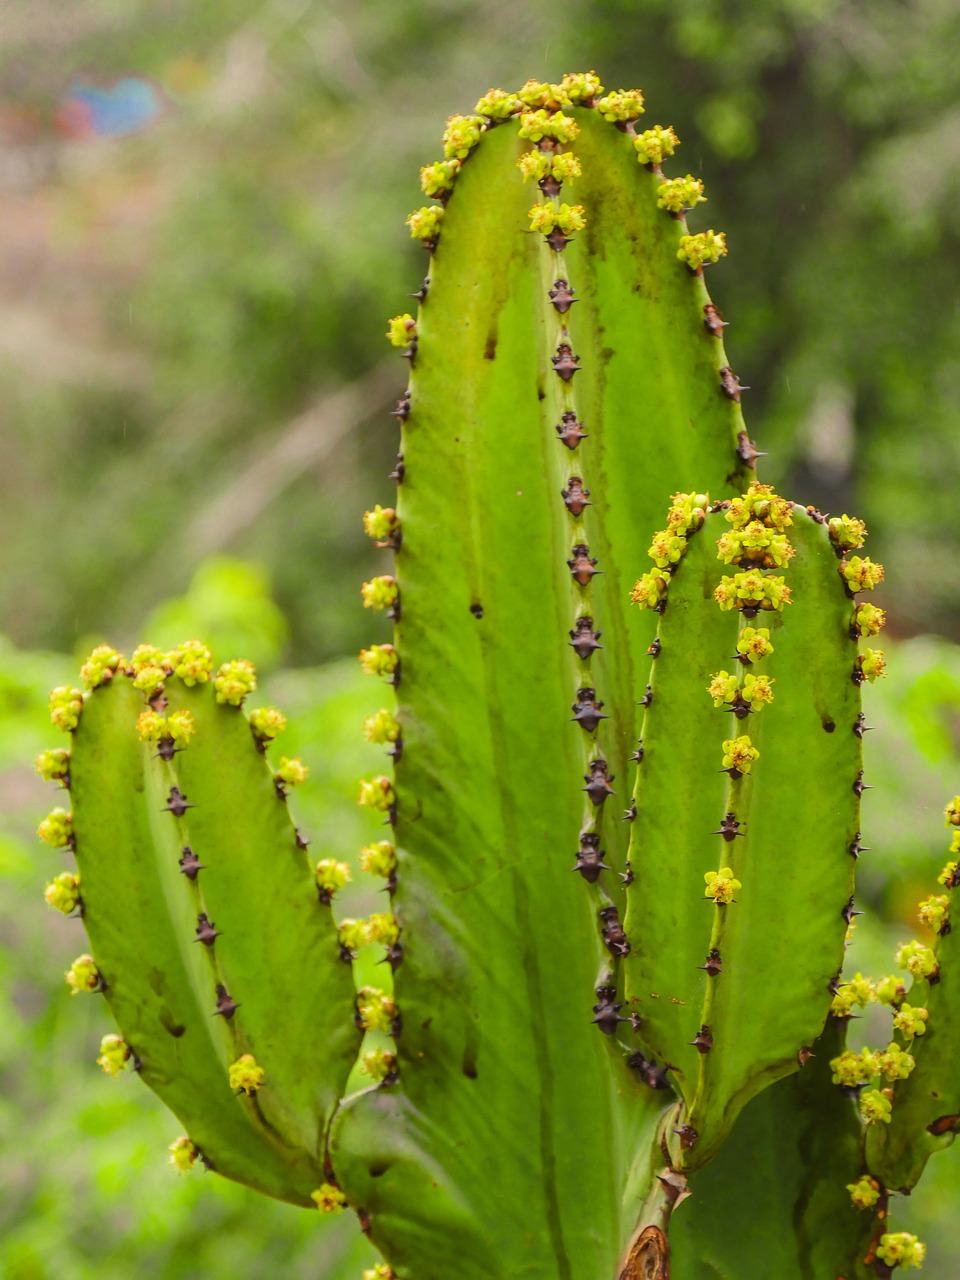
(177, 803)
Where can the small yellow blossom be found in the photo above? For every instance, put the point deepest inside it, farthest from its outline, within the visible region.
(687, 512)
(754, 643)
(536, 125)
(901, 1249)
(666, 548)
(563, 166)
(376, 1011)
(65, 707)
(853, 1069)
(865, 1192)
(401, 330)
(677, 194)
(948, 876)
(723, 688)
(53, 765)
(379, 1065)
(461, 135)
(56, 829)
(382, 927)
(83, 975)
(910, 1021)
(496, 104)
(889, 990)
(621, 105)
(868, 619)
(246, 1076)
(328, 1198)
(437, 179)
(875, 1107)
(379, 859)
(917, 959)
(757, 690)
(739, 754)
(894, 1063)
(653, 145)
(291, 771)
(380, 593)
(101, 666)
(760, 502)
(581, 86)
(377, 793)
(115, 1055)
(379, 660)
(382, 727)
(546, 217)
(192, 661)
(183, 1154)
(721, 885)
(424, 223)
(147, 655)
(702, 249)
(63, 892)
(267, 723)
(952, 812)
(381, 523)
(871, 664)
(847, 532)
(934, 911)
(649, 590)
(331, 876)
(234, 681)
(860, 574)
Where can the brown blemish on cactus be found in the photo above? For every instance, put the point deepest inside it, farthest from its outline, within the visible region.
(713, 964)
(586, 710)
(582, 567)
(804, 1054)
(477, 609)
(703, 1040)
(606, 1011)
(747, 451)
(945, 1124)
(713, 320)
(730, 384)
(729, 828)
(570, 431)
(177, 803)
(614, 938)
(828, 725)
(598, 782)
(190, 864)
(565, 363)
(226, 1006)
(562, 296)
(206, 930)
(576, 498)
(590, 857)
(583, 639)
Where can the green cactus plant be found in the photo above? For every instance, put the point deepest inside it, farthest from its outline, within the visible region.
(620, 844)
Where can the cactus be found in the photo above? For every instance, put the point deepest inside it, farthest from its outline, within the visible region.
(620, 843)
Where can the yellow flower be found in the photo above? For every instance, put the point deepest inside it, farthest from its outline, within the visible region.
(382, 727)
(677, 194)
(328, 1198)
(245, 1075)
(901, 1249)
(183, 1154)
(917, 959)
(868, 619)
(702, 249)
(496, 104)
(292, 771)
(847, 532)
(649, 590)
(667, 548)
(654, 144)
(267, 723)
(115, 1055)
(860, 574)
(721, 885)
(65, 707)
(952, 812)
(401, 330)
(63, 892)
(894, 1063)
(331, 875)
(739, 754)
(546, 217)
(437, 179)
(865, 1192)
(376, 1011)
(379, 660)
(380, 593)
(910, 1021)
(377, 793)
(379, 859)
(875, 1107)
(723, 688)
(83, 975)
(621, 105)
(424, 223)
(934, 911)
(192, 661)
(536, 125)
(101, 666)
(53, 765)
(379, 1064)
(757, 690)
(461, 135)
(56, 829)
(581, 86)
(234, 681)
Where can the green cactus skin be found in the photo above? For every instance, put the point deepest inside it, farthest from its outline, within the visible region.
(560, 388)
(276, 956)
(792, 855)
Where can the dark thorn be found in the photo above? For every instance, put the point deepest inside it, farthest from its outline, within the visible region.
(607, 1011)
(159, 702)
(653, 1077)
(565, 363)
(549, 186)
(411, 352)
(302, 841)
(206, 931)
(137, 1063)
(729, 828)
(364, 1219)
(477, 609)
(583, 639)
(855, 848)
(586, 710)
(576, 498)
(730, 384)
(739, 708)
(654, 649)
(402, 411)
(422, 292)
(860, 726)
(804, 1054)
(688, 1136)
(747, 451)
(598, 782)
(734, 773)
(859, 786)
(226, 1005)
(703, 1040)
(627, 876)
(833, 986)
(713, 964)
(279, 788)
(848, 911)
(399, 471)
(953, 880)
(944, 929)
(190, 864)
(166, 749)
(630, 814)
(582, 567)
(614, 938)
(393, 956)
(852, 1090)
(590, 857)
(570, 431)
(396, 751)
(816, 514)
(177, 803)
(562, 296)
(638, 754)
(647, 697)
(557, 240)
(713, 320)
(345, 954)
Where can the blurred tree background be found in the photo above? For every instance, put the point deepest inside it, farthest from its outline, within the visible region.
(201, 237)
